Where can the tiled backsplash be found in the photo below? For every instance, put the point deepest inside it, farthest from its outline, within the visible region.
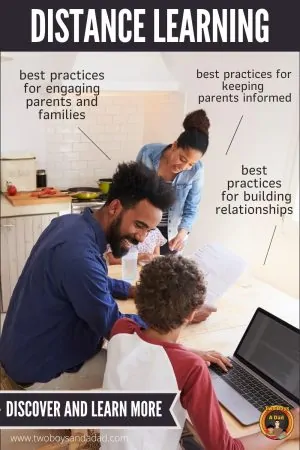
(120, 125)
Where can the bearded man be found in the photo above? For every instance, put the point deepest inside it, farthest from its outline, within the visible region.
(63, 305)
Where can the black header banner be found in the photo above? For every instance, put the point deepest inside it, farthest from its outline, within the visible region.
(95, 25)
(88, 410)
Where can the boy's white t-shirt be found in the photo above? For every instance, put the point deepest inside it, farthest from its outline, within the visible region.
(136, 363)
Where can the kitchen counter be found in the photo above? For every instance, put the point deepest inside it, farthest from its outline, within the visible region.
(21, 227)
(8, 210)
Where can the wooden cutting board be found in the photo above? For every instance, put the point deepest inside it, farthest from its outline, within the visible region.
(25, 198)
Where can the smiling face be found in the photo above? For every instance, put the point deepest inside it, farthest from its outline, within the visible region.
(130, 226)
(180, 159)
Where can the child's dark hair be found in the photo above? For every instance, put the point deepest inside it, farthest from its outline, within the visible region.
(196, 136)
(134, 182)
(170, 289)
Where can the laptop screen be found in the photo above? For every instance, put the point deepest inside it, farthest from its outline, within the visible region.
(270, 347)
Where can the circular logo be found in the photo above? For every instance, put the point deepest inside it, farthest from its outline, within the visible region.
(276, 422)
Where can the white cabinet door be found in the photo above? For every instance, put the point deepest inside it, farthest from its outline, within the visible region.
(18, 236)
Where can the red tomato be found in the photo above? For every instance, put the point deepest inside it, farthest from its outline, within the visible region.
(11, 189)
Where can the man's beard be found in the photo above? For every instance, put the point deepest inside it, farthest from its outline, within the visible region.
(115, 240)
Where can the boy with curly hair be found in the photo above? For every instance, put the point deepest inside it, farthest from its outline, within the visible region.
(170, 291)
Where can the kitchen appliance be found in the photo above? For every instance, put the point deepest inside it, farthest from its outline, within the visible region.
(104, 184)
(79, 204)
(41, 178)
(20, 170)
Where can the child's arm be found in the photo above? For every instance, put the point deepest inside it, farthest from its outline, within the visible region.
(112, 260)
(199, 399)
(157, 251)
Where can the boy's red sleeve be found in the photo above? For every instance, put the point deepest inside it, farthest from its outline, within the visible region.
(199, 399)
(123, 325)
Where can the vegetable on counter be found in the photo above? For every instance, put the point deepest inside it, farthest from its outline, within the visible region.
(11, 188)
(44, 192)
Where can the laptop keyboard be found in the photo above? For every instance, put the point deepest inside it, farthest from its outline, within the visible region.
(249, 387)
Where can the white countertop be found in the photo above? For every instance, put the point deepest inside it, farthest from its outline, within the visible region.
(8, 210)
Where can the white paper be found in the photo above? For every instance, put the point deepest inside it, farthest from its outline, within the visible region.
(221, 268)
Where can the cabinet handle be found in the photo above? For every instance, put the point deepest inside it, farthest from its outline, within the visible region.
(6, 226)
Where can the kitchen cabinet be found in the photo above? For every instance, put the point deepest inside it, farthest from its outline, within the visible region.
(18, 236)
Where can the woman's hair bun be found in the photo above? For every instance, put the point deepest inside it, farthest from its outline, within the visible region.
(197, 120)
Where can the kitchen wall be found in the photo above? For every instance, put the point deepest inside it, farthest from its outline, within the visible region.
(119, 125)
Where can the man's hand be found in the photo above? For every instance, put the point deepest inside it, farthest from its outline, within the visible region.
(203, 313)
(131, 292)
(212, 357)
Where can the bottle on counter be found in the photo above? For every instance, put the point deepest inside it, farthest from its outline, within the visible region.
(41, 178)
(130, 265)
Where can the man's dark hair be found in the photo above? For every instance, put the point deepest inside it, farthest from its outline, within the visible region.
(134, 182)
(170, 289)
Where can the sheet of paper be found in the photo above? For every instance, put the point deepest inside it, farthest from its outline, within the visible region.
(221, 268)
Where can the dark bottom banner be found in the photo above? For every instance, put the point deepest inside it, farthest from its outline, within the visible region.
(87, 409)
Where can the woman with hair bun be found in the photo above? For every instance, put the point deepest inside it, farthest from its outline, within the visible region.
(180, 163)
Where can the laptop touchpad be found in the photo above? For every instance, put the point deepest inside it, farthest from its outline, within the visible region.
(240, 408)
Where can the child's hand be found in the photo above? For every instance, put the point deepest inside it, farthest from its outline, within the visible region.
(145, 257)
(212, 357)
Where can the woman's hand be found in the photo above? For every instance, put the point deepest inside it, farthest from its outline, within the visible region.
(177, 243)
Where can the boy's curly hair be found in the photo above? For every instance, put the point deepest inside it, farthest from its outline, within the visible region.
(170, 289)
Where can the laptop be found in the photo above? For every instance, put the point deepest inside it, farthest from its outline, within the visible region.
(265, 369)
